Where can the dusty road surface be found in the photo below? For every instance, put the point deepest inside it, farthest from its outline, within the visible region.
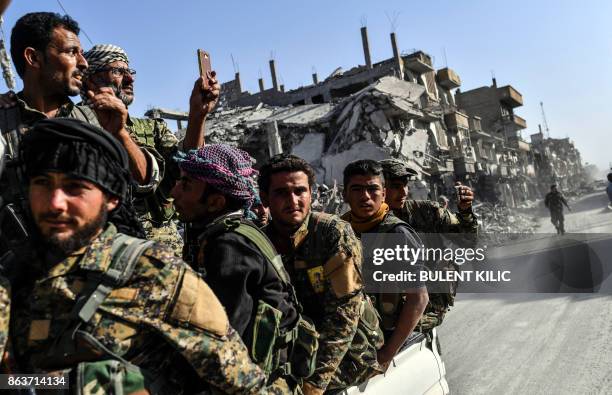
(534, 343)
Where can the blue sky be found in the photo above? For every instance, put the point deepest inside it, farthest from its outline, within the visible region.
(558, 52)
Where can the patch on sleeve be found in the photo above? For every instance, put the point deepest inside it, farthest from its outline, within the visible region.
(317, 279)
(343, 275)
(198, 306)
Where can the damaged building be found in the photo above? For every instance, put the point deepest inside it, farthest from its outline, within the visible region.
(557, 161)
(400, 107)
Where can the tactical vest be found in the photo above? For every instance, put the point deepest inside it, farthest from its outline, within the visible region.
(103, 368)
(388, 305)
(360, 361)
(389, 222)
(301, 342)
(420, 213)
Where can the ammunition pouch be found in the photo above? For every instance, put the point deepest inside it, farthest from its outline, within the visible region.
(112, 377)
(266, 330)
(301, 343)
(360, 362)
(305, 343)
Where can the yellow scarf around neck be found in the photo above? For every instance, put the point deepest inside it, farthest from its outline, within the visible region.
(364, 225)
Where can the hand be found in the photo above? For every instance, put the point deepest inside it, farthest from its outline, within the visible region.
(8, 99)
(466, 196)
(309, 389)
(384, 357)
(203, 100)
(112, 113)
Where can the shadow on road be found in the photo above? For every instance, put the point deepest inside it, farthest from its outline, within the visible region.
(515, 298)
(591, 202)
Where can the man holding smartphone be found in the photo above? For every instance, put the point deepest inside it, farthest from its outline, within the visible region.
(109, 71)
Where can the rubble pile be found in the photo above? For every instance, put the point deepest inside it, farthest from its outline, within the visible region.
(379, 113)
(499, 219)
(328, 200)
(236, 126)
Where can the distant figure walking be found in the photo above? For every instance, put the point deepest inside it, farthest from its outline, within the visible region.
(609, 189)
(554, 200)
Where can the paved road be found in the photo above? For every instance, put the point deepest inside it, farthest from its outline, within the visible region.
(534, 343)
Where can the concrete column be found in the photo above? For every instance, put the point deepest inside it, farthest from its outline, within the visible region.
(238, 84)
(273, 73)
(399, 64)
(275, 146)
(179, 124)
(366, 47)
(261, 85)
(282, 88)
(315, 78)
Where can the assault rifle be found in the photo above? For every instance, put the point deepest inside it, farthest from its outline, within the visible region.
(15, 238)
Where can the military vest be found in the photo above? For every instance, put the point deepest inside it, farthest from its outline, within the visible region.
(389, 222)
(306, 270)
(268, 340)
(78, 353)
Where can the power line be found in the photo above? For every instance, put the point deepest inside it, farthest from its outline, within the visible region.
(82, 30)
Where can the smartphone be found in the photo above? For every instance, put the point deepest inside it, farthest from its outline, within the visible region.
(204, 64)
(459, 193)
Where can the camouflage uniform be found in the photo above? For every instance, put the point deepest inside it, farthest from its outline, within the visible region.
(426, 216)
(325, 269)
(165, 320)
(29, 116)
(5, 313)
(153, 202)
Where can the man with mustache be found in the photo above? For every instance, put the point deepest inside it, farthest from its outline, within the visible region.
(48, 57)
(47, 54)
(123, 314)
(109, 68)
(364, 191)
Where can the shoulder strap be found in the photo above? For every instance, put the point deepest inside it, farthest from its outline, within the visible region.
(317, 222)
(264, 244)
(125, 252)
(389, 223)
(85, 114)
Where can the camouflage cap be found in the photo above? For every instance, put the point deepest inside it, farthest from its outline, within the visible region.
(395, 168)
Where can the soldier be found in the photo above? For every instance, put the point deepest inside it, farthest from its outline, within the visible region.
(261, 212)
(426, 216)
(48, 57)
(323, 259)
(364, 192)
(116, 310)
(109, 68)
(609, 189)
(214, 191)
(554, 200)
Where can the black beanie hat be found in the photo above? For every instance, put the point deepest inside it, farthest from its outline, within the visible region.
(79, 149)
